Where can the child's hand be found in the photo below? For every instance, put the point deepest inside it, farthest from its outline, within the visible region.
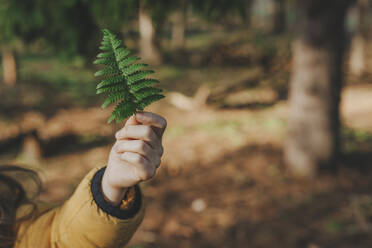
(135, 155)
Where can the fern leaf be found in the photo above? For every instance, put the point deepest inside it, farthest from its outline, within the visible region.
(125, 62)
(114, 98)
(123, 110)
(105, 55)
(145, 92)
(144, 83)
(121, 53)
(113, 88)
(148, 100)
(125, 82)
(105, 61)
(110, 81)
(131, 79)
(108, 70)
(106, 43)
(105, 48)
(116, 43)
(133, 68)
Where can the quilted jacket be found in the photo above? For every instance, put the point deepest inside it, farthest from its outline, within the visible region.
(85, 220)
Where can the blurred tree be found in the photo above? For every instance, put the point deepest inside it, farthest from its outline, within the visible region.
(148, 47)
(151, 17)
(279, 17)
(314, 123)
(69, 27)
(217, 9)
(359, 41)
(14, 27)
(271, 15)
(9, 65)
(114, 14)
(179, 20)
(247, 13)
(72, 26)
(66, 25)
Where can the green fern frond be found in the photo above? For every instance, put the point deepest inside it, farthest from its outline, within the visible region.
(123, 110)
(127, 61)
(131, 79)
(112, 89)
(121, 54)
(105, 55)
(108, 70)
(145, 92)
(105, 61)
(114, 98)
(125, 81)
(149, 100)
(133, 68)
(110, 81)
(144, 83)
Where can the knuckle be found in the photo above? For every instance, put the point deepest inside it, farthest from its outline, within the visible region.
(140, 159)
(147, 172)
(150, 172)
(141, 145)
(137, 158)
(123, 157)
(147, 132)
(141, 175)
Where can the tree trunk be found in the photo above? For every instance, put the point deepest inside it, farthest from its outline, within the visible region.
(315, 87)
(279, 17)
(148, 50)
(357, 60)
(9, 67)
(357, 55)
(248, 9)
(178, 27)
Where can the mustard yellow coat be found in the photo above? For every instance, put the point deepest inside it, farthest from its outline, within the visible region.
(83, 221)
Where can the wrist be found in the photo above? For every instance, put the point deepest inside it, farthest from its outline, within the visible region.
(130, 206)
(112, 195)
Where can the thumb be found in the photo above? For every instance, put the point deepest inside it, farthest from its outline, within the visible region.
(131, 121)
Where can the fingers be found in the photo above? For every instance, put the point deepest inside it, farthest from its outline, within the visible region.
(151, 119)
(144, 169)
(139, 132)
(137, 146)
(140, 147)
(157, 123)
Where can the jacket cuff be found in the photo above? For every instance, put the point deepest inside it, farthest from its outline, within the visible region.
(115, 211)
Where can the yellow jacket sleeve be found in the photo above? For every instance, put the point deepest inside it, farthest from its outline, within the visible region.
(84, 220)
